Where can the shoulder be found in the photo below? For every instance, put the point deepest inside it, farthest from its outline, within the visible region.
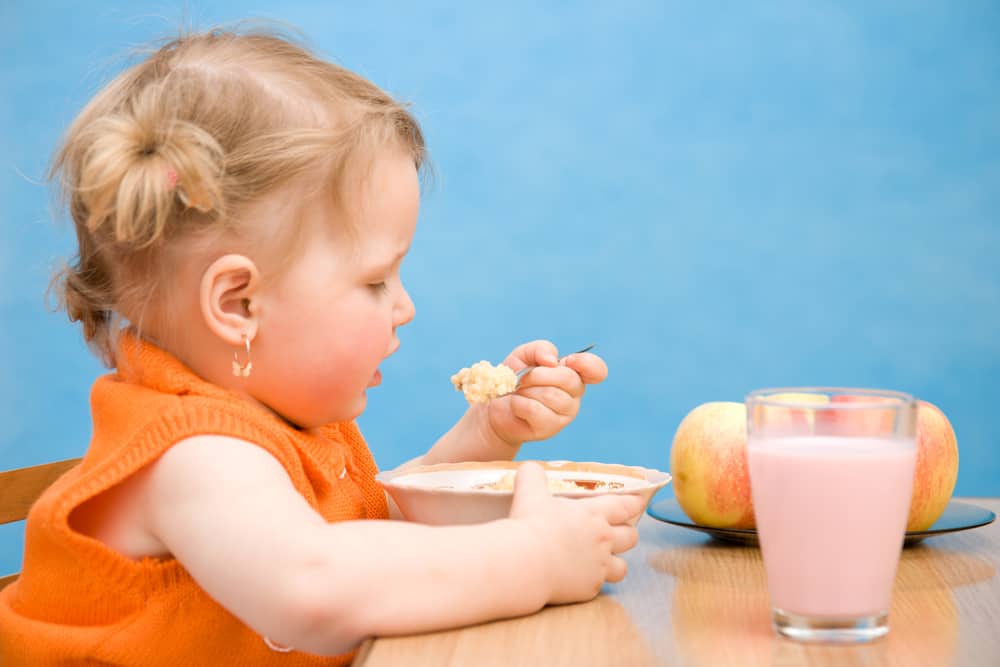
(214, 460)
(208, 485)
(197, 469)
(150, 424)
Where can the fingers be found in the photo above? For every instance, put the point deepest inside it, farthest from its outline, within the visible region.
(530, 486)
(617, 509)
(616, 569)
(590, 367)
(527, 409)
(544, 409)
(535, 353)
(562, 377)
(623, 538)
(555, 399)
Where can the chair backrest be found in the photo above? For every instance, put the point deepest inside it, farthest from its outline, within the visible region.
(20, 488)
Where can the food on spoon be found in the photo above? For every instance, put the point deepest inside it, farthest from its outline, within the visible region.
(483, 381)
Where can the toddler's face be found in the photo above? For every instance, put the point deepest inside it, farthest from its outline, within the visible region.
(328, 322)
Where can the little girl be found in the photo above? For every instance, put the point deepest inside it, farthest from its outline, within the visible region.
(242, 210)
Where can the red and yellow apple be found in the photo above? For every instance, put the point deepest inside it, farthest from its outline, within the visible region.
(937, 467)
(793, 419)
(708, 462)
(711, 481)
(937, 454)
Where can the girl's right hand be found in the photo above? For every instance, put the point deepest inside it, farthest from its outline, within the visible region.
(579, 538)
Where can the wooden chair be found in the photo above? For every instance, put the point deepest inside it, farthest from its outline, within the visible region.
(19, 488)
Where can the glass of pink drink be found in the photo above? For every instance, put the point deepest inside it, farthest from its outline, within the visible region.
(831, 475)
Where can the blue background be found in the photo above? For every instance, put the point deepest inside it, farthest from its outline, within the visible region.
(722, 196)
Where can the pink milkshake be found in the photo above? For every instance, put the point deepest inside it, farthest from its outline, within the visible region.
(831, 514)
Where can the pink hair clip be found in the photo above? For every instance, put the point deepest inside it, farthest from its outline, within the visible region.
(171, 179)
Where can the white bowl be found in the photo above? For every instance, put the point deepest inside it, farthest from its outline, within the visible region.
(447, 493)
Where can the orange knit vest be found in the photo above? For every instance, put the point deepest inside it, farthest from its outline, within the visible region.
(79, 602)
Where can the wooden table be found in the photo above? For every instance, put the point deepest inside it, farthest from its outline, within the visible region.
(689, 600)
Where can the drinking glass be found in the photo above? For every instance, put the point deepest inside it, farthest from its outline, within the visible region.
(831, 475)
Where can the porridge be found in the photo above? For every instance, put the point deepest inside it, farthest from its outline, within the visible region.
(506, 483)
(483, 381)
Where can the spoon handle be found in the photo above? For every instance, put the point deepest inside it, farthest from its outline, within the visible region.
(524, 370)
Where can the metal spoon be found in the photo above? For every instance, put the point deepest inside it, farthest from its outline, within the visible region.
(520, 374)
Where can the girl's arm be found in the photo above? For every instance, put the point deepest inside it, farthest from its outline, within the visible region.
(546, 401)
(228, 512)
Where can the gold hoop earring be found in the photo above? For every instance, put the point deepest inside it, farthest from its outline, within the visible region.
(242, 370)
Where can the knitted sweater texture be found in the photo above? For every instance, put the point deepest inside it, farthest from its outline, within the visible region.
(78, 602)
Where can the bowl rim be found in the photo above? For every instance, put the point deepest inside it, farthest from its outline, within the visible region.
(654, 479)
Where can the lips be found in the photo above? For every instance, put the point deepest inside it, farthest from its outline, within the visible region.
(376, 379)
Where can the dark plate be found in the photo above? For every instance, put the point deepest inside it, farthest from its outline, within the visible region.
(956, 516)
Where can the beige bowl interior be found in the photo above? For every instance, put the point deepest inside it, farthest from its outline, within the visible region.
(447, 493)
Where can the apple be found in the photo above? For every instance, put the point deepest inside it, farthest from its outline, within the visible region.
(870, 421)
(937, 467)
(708, 462)
(937, 454)
(711, 481)
(793, 419)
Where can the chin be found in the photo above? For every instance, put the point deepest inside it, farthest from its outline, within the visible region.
(312, 414)
(311, 421)
(348, 412)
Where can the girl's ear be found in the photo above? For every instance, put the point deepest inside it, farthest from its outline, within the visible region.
(226, 297)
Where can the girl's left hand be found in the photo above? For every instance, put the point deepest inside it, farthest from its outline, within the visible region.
(549, 396)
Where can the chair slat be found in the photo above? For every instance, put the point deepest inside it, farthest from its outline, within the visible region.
(20, 488)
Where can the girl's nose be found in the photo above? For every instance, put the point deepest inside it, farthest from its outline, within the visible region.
(404, 309)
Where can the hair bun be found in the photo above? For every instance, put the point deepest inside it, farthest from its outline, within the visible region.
(143, 164)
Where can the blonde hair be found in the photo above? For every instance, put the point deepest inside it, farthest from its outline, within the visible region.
(178, 144)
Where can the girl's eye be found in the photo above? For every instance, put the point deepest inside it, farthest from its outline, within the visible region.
(379, 287)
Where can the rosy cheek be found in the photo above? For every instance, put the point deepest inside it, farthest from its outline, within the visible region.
(368, 346)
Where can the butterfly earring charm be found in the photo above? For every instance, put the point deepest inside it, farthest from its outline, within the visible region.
(240, 369)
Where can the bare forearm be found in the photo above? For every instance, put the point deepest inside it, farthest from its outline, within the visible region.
(251, 541)
(470, 439)
(421, 578)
